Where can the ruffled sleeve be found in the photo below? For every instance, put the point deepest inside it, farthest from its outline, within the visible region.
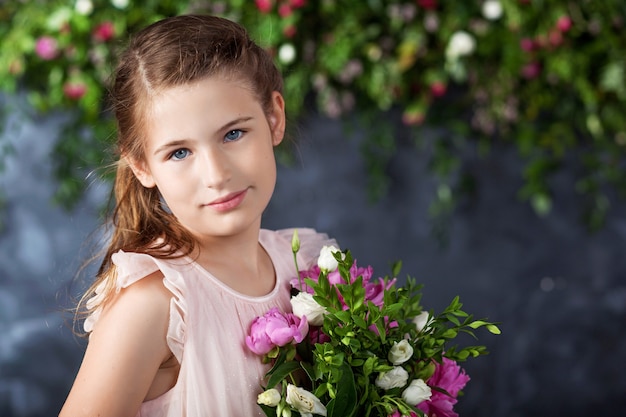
(131, 267)
(311, 242)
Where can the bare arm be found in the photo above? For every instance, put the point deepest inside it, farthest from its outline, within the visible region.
(125, 350)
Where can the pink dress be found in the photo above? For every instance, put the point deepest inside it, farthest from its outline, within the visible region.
(209, 321)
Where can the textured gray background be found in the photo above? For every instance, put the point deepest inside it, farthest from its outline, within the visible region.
(559, 292)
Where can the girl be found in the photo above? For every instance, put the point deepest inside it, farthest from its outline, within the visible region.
(199, 110)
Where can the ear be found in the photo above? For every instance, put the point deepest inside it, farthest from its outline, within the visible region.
(276, 118)
(141, 172)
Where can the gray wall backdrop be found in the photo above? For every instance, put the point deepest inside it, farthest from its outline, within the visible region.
(559, 292)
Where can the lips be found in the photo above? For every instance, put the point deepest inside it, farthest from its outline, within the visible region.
(229, 201)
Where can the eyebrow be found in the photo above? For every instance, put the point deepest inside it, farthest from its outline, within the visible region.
(179, 142)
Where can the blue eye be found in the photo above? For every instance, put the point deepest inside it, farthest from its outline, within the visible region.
(233, 135)
(179, 154)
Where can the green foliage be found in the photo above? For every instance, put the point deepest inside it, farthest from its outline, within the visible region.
(546, 77)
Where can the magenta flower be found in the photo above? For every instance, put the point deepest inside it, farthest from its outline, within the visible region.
(265, 6)
(74, 90)
(450, 377)
(105, 31)
(427, 4)
(527, 44)
(531, 70)
(275, 329)
(564, 23)
(46, 48)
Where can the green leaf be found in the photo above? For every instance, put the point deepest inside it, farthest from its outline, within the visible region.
(345, 402)
(281, 372)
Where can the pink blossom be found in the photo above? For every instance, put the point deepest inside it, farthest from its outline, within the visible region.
(275, 329)
(555, 37)
(285, 10)
(531, 70)
(438, 88)
(46, 48)
(105, 31)
(527, 44)
(564, 23)
(265, 6)
(290, 31)
(74, 90)
(427, 4)
(450, 377)
(296, 4)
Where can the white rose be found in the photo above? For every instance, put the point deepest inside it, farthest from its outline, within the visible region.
(304, 402)
(270, 397)
(400, 352)
(492, 9)
(395, 378)
(416, 392)
(327, 261)
(303, 304)
(421, 320)
(461, 43)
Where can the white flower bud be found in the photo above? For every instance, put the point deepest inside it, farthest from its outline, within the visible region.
(400, 352)
(303, 304)
(421, 320)
(327, 261)
(395, 378)
(416, 392)
(271, 397)
(305, 402)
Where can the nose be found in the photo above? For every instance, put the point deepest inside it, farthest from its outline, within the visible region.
(214, 169)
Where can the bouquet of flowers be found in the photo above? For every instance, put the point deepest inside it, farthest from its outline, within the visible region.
(358, 346)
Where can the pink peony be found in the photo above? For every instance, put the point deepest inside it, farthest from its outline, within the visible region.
(275, 329)
(46, 48)
(105, 31)
(450, 377)
(74, 90)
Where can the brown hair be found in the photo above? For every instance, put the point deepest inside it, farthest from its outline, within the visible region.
(171, 52)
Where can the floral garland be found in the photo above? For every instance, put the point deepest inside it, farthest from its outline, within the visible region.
(358, 346)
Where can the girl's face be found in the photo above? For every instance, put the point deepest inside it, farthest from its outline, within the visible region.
(209, 150)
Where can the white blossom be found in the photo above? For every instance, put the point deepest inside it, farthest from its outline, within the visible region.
(327, 261)
(492, 9)
(305, 402)
(120, 4)
(400, 352)
(461, 44)
(395, 378)
(84, 7)
(421, 320)
(286, 53)
(271, 397)
(303, 304)
(416, 392)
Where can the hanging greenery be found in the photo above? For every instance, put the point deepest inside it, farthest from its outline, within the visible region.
(543, 76)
